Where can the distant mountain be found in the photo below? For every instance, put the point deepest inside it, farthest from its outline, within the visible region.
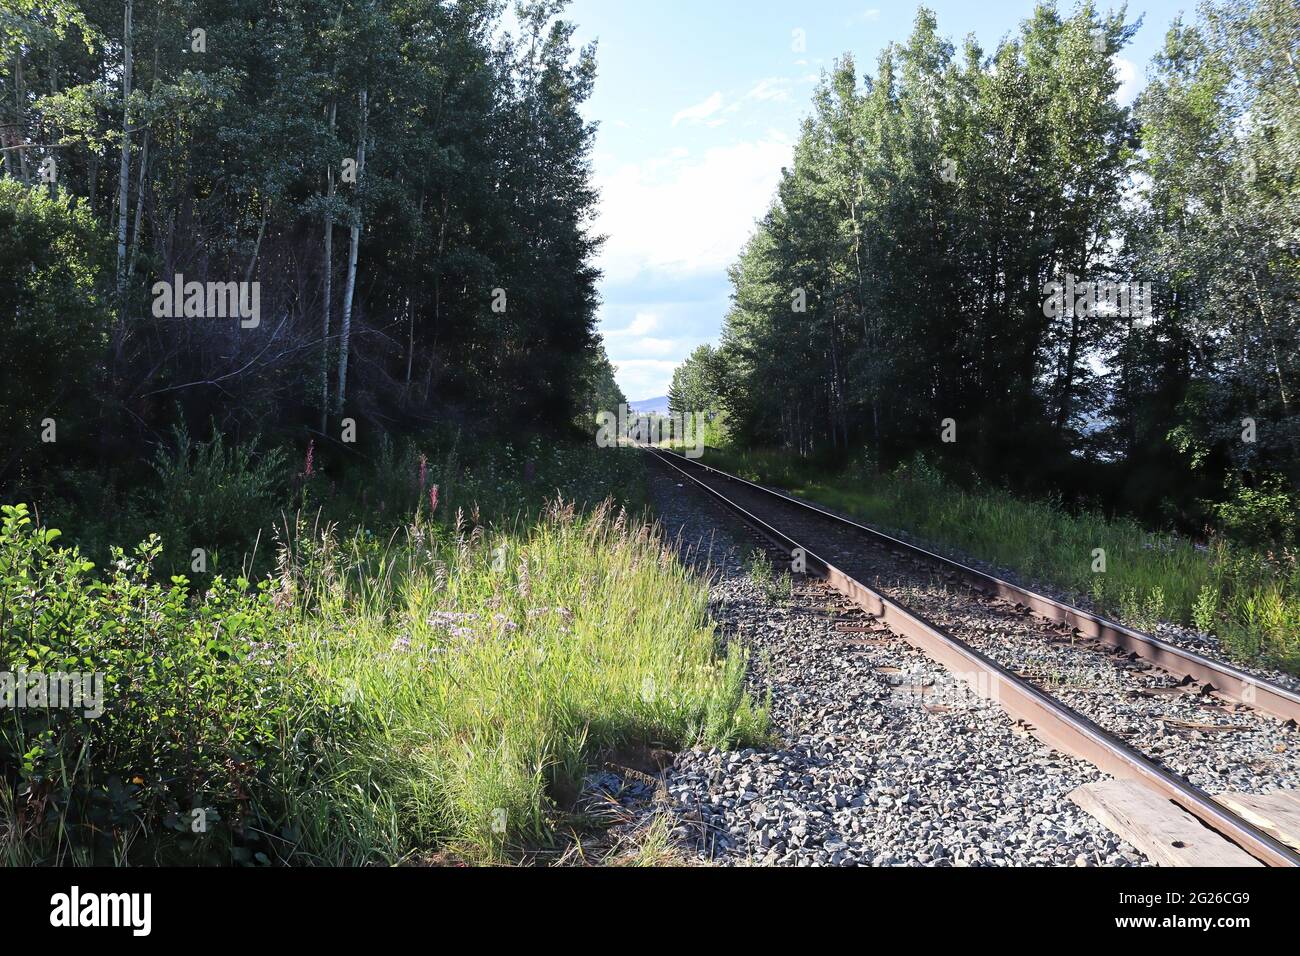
(656, 406)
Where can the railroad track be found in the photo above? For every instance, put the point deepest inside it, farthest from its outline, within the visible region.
(888, 578)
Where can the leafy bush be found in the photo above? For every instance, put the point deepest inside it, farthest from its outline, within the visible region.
(1205, 610)
(194, 696)
(214, 497)
(1263, 515)
(920, 472)
(55, 315)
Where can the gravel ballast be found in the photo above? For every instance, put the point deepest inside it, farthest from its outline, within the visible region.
(1206, 645)
(882, 759)
(1216, 745)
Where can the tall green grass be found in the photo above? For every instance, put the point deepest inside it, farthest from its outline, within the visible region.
(374, 701)
(1249, 598)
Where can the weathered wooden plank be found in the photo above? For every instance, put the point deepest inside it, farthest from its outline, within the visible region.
(1164, 831)
(1203, 728)
(1277, 814)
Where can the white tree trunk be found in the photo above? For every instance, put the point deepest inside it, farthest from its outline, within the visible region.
(345, 331)
(140, 178)
(139, 203)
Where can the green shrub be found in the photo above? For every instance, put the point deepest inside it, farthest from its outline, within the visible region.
(1264, 515)
(213, 496)
(55, 317)
(1205, 610)
(776, 588)
(194, 696)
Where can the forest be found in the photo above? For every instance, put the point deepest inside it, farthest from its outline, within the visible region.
(981, 257)
(401, 188)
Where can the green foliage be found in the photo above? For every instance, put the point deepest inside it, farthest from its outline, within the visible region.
(697, 383)
(895, 280)
(54, 317)
(1218, 127)
(1263, 623)
(898, 278)
(602, 391)
(1206, 609)
(1143, 612)
(760, 568)
(776, 588)
(214, 496)
(1267, 514)
(697, 390)
(782, 588)
(477, 177)
(195, 696)
(484, 481)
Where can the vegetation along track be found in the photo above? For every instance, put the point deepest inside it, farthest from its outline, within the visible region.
(1137, 707)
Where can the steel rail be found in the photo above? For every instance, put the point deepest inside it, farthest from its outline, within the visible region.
(1051, 721)
(1224, 679)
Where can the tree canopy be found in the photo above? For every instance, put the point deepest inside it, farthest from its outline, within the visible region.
(407, 182)
(985, 257)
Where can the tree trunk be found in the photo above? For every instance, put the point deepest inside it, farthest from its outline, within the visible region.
(124, 171)
(139, 202)
(257, 246)
(144, 169)
(19, 138)
(410, 314)
(1066, 407)
(345, 331)
(328, 291)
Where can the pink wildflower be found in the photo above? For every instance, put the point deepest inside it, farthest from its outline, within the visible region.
(307, 468)
(433, 499)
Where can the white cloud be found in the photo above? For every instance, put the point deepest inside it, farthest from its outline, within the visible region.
(773, 88)
(700, 111)
(868, 16)
(643, 324)
(644, 378)
(1129, 82)
(650, 346)
(686, 215)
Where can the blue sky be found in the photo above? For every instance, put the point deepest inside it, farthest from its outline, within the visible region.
(699, 103)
